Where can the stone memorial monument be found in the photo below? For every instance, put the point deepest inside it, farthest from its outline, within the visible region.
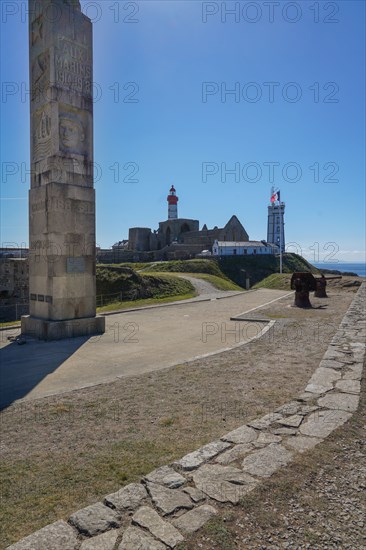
(62, 197)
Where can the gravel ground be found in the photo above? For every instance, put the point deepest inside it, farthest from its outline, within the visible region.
(62, 453)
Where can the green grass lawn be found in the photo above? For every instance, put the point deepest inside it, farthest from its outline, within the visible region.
(279, 281)
(218, 282)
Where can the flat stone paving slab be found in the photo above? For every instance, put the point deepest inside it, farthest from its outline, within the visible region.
(129, 497)
(236, 453)
(136, 539)
(341, 356)
(322, 423)
(244, 434)
(331, 364)
(148, 519)
(302, 443)
(341, 401)
(95, 519)
(265, 462)
(223, 483)
(265, 439)
(195, 494)
(322, 380)
(167, 500)
(292, 421)
(106, 541)
(166, 476)
(194, 519)
(58, 536)
(265, 421)
(195, 459)
(349, 386)
(354, 372)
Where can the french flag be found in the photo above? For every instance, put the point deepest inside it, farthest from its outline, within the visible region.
(275, 197)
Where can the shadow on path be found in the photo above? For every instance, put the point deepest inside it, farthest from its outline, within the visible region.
(18, 376)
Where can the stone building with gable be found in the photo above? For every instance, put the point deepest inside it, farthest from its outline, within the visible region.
(181, 237)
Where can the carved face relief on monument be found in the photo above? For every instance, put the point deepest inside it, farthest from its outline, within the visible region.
(72, 134)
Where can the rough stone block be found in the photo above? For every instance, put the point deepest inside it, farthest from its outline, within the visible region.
(223, 483)
(58, 536)
(340, 401)
(168, 500)
(331, 364)
(349, 386)
(265, 439)
(95, 519)
(354, 373)
(136, 539)
(148, 519)
(195, 519)
(236, 453)
(195, 459)
(244, 434)
(292, 421)
(322, 380)
(301, 443)
(129, 497)
(166, 476)
(265, 462)
(195, 494)
(321, 423)
(106, 541)
(265, 421)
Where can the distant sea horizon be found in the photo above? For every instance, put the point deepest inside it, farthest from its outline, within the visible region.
(354, 267)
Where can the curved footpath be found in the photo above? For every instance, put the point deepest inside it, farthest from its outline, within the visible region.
(176, 500)
(135, 342)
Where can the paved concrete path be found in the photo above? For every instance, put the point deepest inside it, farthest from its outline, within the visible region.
(205, 289)
(135, 342)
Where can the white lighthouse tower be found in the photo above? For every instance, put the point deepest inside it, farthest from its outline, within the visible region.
(276, 224)
(172, 204)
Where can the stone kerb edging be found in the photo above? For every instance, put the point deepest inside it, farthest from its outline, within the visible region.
(176, 500)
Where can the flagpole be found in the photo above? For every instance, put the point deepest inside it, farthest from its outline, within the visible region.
(280, 238)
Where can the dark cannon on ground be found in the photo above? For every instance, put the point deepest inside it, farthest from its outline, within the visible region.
(321, 283)
(303, 283)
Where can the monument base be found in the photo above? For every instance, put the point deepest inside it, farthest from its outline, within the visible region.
(60, 330)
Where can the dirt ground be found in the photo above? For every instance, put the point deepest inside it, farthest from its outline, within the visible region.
(62, 453)
(318, 502)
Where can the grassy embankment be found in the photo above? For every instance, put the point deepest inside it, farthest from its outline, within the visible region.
(206, 270)
(258, 267)
(155, 283)
(138, 289)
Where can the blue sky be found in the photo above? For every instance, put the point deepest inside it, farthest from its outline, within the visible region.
(161, 70)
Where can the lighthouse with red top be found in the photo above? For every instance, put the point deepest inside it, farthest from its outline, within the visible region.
(172, 204)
